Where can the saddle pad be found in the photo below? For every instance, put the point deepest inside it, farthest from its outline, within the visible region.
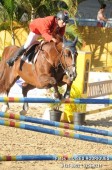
(26, 58)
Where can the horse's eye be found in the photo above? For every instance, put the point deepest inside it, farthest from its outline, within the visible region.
(68, 54)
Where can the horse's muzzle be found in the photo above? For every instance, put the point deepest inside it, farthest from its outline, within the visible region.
(72, 76)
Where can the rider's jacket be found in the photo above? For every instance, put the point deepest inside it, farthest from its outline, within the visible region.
(45, 27)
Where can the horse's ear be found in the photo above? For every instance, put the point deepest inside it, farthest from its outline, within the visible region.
(75, 41)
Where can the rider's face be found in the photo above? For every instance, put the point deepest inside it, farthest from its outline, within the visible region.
(61, 23)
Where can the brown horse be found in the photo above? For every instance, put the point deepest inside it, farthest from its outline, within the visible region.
(55, 65)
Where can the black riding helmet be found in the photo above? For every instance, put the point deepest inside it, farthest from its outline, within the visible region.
(63, 16)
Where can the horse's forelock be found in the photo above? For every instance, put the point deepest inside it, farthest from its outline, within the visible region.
(69, 45)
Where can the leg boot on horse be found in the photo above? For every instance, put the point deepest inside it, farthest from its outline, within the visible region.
(21, 50)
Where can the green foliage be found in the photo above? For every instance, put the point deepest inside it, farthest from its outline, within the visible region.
(4, 26)
(35, 3)
(42, 11)
(72, 32)
(50, 7)
(55, 106)
(62, 5)
(13, 10)
(10, 7)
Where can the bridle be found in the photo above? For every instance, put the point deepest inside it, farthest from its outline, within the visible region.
(64, 66)
(65, 56)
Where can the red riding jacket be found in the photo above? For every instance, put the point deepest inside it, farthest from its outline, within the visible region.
(45, 27)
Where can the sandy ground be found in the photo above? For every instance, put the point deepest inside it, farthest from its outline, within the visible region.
(18, 142)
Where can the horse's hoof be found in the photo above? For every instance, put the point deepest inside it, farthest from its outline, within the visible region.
(62, 97)
(58, 96)
(4, 108)
(66, 96)
(23, 112)
(52, 81)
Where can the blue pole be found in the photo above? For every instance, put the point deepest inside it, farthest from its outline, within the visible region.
(75, 157)
(56, 124)
(55, 132)
(49, 100)
(93, 130)
(35, 157)
(93, 101)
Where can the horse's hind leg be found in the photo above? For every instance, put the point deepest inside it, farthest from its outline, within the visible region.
(25, 88)
(5, 106)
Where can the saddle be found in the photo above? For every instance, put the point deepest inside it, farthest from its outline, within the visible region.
(32, 50)
(32, 53)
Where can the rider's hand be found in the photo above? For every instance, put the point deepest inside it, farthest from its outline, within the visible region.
(54, 40)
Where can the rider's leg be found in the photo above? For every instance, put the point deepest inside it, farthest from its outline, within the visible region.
(21, 50)
(31, 38)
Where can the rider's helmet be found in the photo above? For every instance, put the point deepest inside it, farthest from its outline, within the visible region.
(63, 15)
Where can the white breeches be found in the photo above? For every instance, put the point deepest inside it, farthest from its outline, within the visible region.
(32, 37)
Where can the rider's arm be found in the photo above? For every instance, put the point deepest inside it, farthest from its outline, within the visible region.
(46, 30)
(49, 25)
(103, 18)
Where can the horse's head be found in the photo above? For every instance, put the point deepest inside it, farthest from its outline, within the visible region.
(69, 56)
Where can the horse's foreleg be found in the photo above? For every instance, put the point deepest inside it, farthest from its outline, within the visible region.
(69, 83)
(46, 80)
(67, 92)
(56, 92)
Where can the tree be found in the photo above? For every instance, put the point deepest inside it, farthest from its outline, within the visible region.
(13, 10)
(41, 8)
(9, 8)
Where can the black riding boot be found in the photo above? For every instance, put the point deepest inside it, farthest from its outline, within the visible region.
(10, 62)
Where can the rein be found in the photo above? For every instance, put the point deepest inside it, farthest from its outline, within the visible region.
(56, 68)
(59, 55)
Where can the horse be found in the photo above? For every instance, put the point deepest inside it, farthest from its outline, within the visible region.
(53, 65)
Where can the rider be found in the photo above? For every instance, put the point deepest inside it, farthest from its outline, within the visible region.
(43, 27)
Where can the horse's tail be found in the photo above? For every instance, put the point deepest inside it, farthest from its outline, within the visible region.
(4, 75)
(3, 63)
(5, 71)
(3, 78)
(2, 68)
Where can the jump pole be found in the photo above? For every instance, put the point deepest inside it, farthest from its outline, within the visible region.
(49, 100)
(55, 124)
(57, 158)
(55, 132)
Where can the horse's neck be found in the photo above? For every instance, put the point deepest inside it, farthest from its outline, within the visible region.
(56, 46)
